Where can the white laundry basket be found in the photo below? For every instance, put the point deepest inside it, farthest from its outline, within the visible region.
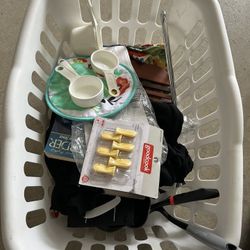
(207, 91)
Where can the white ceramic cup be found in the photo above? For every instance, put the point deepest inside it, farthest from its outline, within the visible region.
(85, 91)
(104, 62)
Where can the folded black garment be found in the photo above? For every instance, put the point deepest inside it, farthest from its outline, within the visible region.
(170, 119)
(176, 167)
(178, 163)
(67, 194)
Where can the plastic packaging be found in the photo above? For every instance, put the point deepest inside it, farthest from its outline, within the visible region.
(140, 108)
(111, 156)
(78, 143)
(123, 156)
(189, 128)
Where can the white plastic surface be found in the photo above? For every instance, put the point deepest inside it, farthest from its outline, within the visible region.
(207, 92)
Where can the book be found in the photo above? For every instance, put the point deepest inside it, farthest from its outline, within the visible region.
(58, 145)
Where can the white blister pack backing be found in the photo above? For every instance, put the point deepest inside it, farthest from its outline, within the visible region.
(124, 157)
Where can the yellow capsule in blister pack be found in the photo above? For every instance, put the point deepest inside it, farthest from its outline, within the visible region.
(122, 163)
(110, 136)
(107, 152)
(128, 147)
(103, 169)
(126, 132)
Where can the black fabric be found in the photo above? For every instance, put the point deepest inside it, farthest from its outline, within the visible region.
(68, 195)
(129, 212)
(178, 163)
(176, 167)
(170, 119)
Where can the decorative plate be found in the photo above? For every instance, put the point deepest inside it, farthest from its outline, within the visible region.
(59, 100)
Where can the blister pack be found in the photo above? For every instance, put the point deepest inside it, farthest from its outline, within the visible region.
(115, 155)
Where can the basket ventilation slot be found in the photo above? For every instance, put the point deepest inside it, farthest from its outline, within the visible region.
(159, 232)
(74, 245)
(35, 218)
(168, 245)
(38, 81)
(140, 36)
(144, 16)
(144, 247)
(33, 169)
(36, 103)
(123, 35)
(98, 247)
(205, 219)
(33, 146)
(140, 234)
(125, 10)
(34, 124)
(99, 235)
(194, 34)
(183, 212)
(107, 35)
(121, 247)
(211, 172)
(47, 44)
(43, 63)
(200, 51)
(120, 235)
(33, 193)
(157, 37)
(209, 150)
(54, 28)
(106, 15)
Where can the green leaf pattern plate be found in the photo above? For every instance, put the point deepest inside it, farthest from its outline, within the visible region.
(59, 101)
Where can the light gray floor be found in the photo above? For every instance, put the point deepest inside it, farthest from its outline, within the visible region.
(237, 19)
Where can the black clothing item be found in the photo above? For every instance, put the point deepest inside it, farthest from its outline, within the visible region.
(176, 167)
(129, 212)
(170, 119)
(178, 163)
(68, 195)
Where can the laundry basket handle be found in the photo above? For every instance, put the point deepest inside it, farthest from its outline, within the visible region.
(95, 24)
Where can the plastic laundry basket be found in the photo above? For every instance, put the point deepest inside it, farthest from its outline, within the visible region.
(207, 92)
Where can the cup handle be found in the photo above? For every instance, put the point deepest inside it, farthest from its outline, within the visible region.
(71, 75)
(96, 28)
(66, 64)
(111, 82)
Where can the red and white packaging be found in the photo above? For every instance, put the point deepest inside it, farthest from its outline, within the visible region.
(142, 178)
